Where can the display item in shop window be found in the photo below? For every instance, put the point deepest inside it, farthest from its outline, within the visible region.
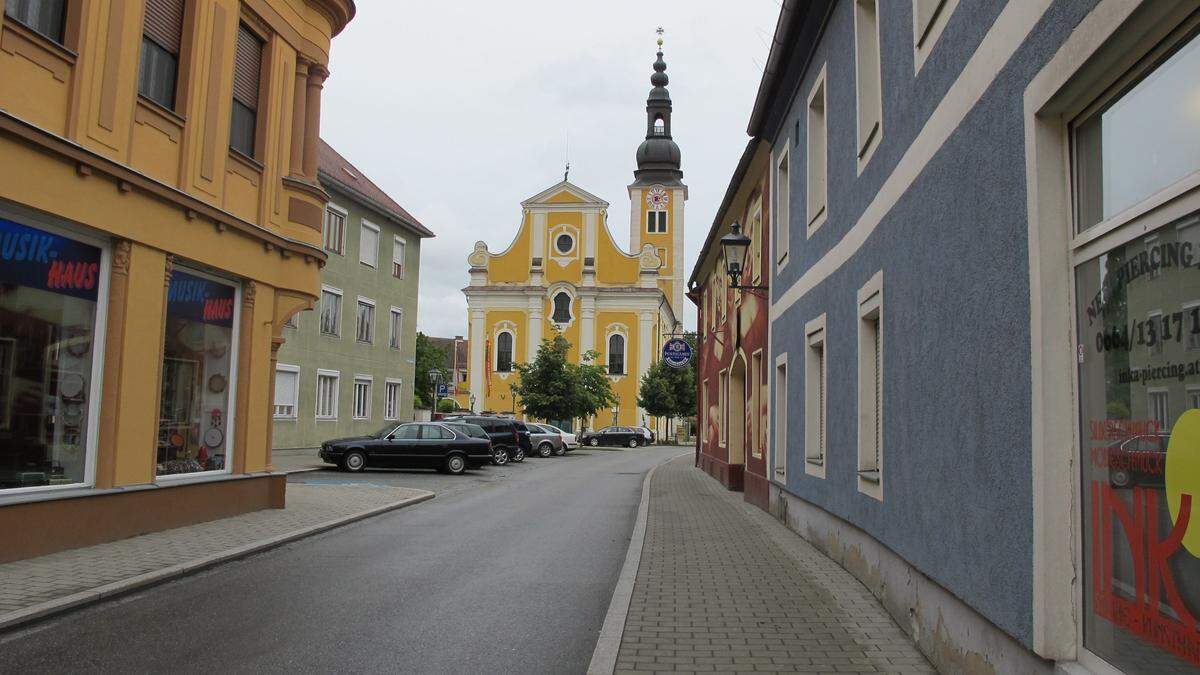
(70, 386)
(217, 383)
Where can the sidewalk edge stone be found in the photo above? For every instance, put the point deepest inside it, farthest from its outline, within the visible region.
(608, 644)
(56, 606)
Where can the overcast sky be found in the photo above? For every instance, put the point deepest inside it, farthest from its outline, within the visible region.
(461, 110)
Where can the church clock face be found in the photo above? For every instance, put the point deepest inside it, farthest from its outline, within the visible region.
(657, 198)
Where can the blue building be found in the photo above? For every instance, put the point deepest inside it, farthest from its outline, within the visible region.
(985, 319)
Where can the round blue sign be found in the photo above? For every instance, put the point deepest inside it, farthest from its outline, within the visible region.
(677, 353)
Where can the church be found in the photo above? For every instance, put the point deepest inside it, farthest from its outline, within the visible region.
(563, 271)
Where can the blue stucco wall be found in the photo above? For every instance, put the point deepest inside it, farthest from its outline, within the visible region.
(957, 466)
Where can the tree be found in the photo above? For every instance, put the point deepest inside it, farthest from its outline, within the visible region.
(593, 390)
(669, 392)
(447, 405)
(428, 357)
(546, 386)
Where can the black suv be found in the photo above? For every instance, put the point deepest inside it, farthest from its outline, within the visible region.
(509, 434)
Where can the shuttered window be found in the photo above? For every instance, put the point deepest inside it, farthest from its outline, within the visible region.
(44, 16)
(161, 33)
(246, 72)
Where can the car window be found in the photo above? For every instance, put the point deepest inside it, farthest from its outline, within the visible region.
(440, 432)
(474, 430)
(537, 428)
(408, 432)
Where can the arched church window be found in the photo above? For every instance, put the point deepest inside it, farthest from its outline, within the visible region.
(504, 352)
(562, 307)
(660, 127)
(616, 354)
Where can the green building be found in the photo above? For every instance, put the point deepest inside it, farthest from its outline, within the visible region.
(346, 368)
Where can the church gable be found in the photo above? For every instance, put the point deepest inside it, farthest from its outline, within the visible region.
(565, 192)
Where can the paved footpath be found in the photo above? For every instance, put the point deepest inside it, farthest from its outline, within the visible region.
(724, 587)
(36, 587)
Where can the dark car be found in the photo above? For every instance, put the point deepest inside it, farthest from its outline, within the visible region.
(499, 452)
(504, 433)
(419, 445)
(628, 436)
(1138, 460)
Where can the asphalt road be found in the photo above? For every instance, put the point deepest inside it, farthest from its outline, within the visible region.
(507, 570)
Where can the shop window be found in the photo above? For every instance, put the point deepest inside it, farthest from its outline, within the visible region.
(247, 69)
(391, 399)
(867, 79)
(364, 324)
(161, 34)
(198, 374)
(335, 230)
(328, 382)
(331, 312)
(287, 391)
(816, 385)
(396, 328)
(817, 158)
(362, 397)
(368, 244)
(504, 352)
(49, 309)
(46, 17)
(870, 387)
(398, 257)
(616, 354)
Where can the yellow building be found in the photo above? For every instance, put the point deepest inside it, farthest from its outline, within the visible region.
(160, 220)
(563, 271)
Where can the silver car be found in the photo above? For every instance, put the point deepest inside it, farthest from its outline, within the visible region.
(546, 440)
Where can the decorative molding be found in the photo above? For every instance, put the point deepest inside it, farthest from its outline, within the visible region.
(168, 270)
(249, 292)
(121, 254)
(479, 256)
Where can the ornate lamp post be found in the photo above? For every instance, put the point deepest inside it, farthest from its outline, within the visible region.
(735, 244)
(435, 377)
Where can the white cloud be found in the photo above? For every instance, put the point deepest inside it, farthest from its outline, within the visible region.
(460, 110)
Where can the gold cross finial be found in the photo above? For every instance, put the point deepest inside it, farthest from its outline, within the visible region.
(660, 32)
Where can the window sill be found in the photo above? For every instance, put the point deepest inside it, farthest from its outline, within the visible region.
(285, 419)
(47, 43)
(870, 475)
(248, 162)
(326, 419)
(815, 461)
(161, 110)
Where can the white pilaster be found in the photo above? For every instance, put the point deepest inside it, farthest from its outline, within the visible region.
(677, 263)
(645, 332)
(635, 220)
(535, 327)
(587, 323)
(478, 371)
(539, 235)
(590, 218)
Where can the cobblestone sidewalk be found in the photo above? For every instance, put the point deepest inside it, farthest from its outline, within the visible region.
(719, 589)
(39, 586)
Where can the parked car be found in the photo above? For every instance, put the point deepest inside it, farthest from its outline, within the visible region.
(1138, 460)
(648, 433)
(499, 452)
(414, 445)
(570, 440)
(627, 436)
(503, 432)
(546, 440)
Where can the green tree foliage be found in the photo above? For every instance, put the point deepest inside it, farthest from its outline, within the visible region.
(447, 405)
(429, 357)
(669, 392)
(593, 390)
(553, 388)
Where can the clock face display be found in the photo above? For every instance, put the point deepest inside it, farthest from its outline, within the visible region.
(657, 198)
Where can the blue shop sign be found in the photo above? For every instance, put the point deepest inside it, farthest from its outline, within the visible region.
(677, 353)
(50, 262)
(199, 299)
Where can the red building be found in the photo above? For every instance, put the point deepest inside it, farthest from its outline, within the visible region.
(732, 366)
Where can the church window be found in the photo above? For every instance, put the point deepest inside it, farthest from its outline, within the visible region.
(565, 243)
(616, 354)
(660, 128)
(656, 222)
(562, 307)
(504, 352)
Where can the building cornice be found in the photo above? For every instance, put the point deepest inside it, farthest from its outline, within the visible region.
(390, 214)
(339, 12)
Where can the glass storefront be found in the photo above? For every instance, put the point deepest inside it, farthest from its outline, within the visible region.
(50, 287)
(1138, 328)
(199, 356)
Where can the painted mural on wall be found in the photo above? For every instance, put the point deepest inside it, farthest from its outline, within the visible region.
(1139, 361)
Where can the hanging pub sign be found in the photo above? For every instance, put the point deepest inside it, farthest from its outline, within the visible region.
(49, 262)
(677, 353)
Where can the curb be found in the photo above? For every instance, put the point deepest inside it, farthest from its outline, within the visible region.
(604, 657)
(56, 606)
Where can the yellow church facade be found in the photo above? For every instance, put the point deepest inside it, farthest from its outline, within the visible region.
(564, 272)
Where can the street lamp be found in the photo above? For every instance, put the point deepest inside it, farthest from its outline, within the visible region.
(472, 402)
(735, 244)
(435, 378)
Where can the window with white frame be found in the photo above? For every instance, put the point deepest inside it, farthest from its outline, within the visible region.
(391, 399)
(867, 79)
(1159, 408)
(929, 19)
(1191, 325)
(504, 352)
(1193, 397)
(398, 257)
(362, 397)
(327, 394)
(656, 222)
(1154, 332)
(722, 412)
(704, 413)
(815, 397)
(757, 419)
(781, 415)
(287, 391)
(331, 311)
(870, 386)
(816, 198)
(335, 229)
(396, 328)
(364, 323)
(368, 244)
(783, 208)
(616, 354)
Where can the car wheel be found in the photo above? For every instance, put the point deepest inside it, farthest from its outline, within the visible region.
(518, 455)
(500, 456)
(593, 442)
(455, 465)
(1119, 478)
(545, 449)
(633, 442)
(354, 461)
(561, 450)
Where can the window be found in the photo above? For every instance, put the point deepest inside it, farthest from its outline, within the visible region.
(757, 419)
(362, 397)
(870, 386)
(1157, 332)
(46, 17)
(656, 222)
(562, 307)
(929, 19)
(198, 371)
(292, 321)
(287, 391)
(364, 326)
(368, 244)
(867, 79)
(327, 394)
(1191, 326)
(335, 229)
(331, 311)
(1193, 397)
(397, 257)
(504, 352)
(247, 69)
(391, 399)
(817, 157)
(616, 354)
(1159, 409)
(161, 33)
(781, 415)
(704, 418)
(396, 328)
(49, 360)
(782, 209)
(815, 397)
(722, 413)
(565, 243)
